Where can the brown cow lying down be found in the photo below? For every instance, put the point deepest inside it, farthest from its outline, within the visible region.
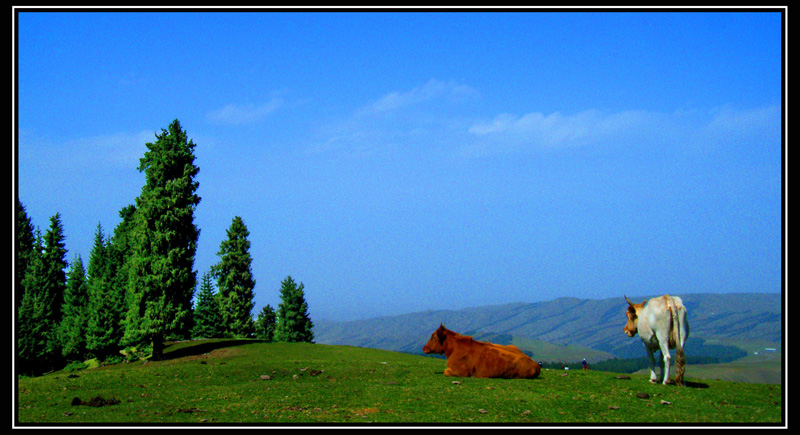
(468, 357)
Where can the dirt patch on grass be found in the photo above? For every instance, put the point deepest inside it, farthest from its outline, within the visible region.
(206, 350)
(215, 354)
(96, 402)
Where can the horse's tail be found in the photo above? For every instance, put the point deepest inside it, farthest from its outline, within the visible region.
(680, 331)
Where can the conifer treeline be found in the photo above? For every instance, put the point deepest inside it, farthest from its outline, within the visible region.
(138, 287)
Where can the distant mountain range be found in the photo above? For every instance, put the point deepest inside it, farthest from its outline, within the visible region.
(569, 329)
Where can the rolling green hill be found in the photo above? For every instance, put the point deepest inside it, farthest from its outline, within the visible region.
(231, 382)
(723, 326)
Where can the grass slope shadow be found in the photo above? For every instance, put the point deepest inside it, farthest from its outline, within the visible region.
(177, 350)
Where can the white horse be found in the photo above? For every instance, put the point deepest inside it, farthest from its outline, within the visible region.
(662, 325)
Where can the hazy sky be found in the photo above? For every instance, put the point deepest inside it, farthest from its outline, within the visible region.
(403, 161)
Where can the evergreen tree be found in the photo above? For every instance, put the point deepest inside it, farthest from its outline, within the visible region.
(54, 257)
(40, 310)
(75, 312)
(293, 323)
(161, 277)
(207, 315)
(235, 280)
(103, 322)
(32, 331)
(117, 253)
(25, 249)
(265, 324)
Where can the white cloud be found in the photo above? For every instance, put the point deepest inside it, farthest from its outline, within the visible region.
(99, 169)
(132, 78)
(509, 132)
(558, 129)
(397, 120)
(233, 114)
(729, 121)
(432, 90)
(120, 150)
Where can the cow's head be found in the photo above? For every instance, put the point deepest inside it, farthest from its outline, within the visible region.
(633, 317)
(436, 342)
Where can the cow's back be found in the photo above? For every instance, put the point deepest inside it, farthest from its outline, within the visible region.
(661, 314)
(489, 360)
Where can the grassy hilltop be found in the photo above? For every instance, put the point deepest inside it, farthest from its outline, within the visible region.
(248, 382)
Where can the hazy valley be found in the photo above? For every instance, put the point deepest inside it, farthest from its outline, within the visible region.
(723, 326)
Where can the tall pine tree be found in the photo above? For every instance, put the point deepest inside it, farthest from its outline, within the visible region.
(207, 315)
(32, 330)
(25, 249)
(235, 280)
(161, 275)
(55, 253)
(115, 271)
(265, 324)
(39, 315)
(75, 312)
(103, 327)
(293, 322)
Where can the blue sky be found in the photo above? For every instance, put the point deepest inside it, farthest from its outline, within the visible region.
(402, 161)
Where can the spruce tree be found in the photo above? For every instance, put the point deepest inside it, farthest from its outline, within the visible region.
(207, 315)
(75, 312)
(103, 323)
(39, 315)
(54, 257)
(32, 330)
(161, 277)
(293, 323)
(117, 253)
(25, 249)
(235, 280)
(29, 251)
(265, 324)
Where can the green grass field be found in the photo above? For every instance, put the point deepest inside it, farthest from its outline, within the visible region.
(247, 382)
